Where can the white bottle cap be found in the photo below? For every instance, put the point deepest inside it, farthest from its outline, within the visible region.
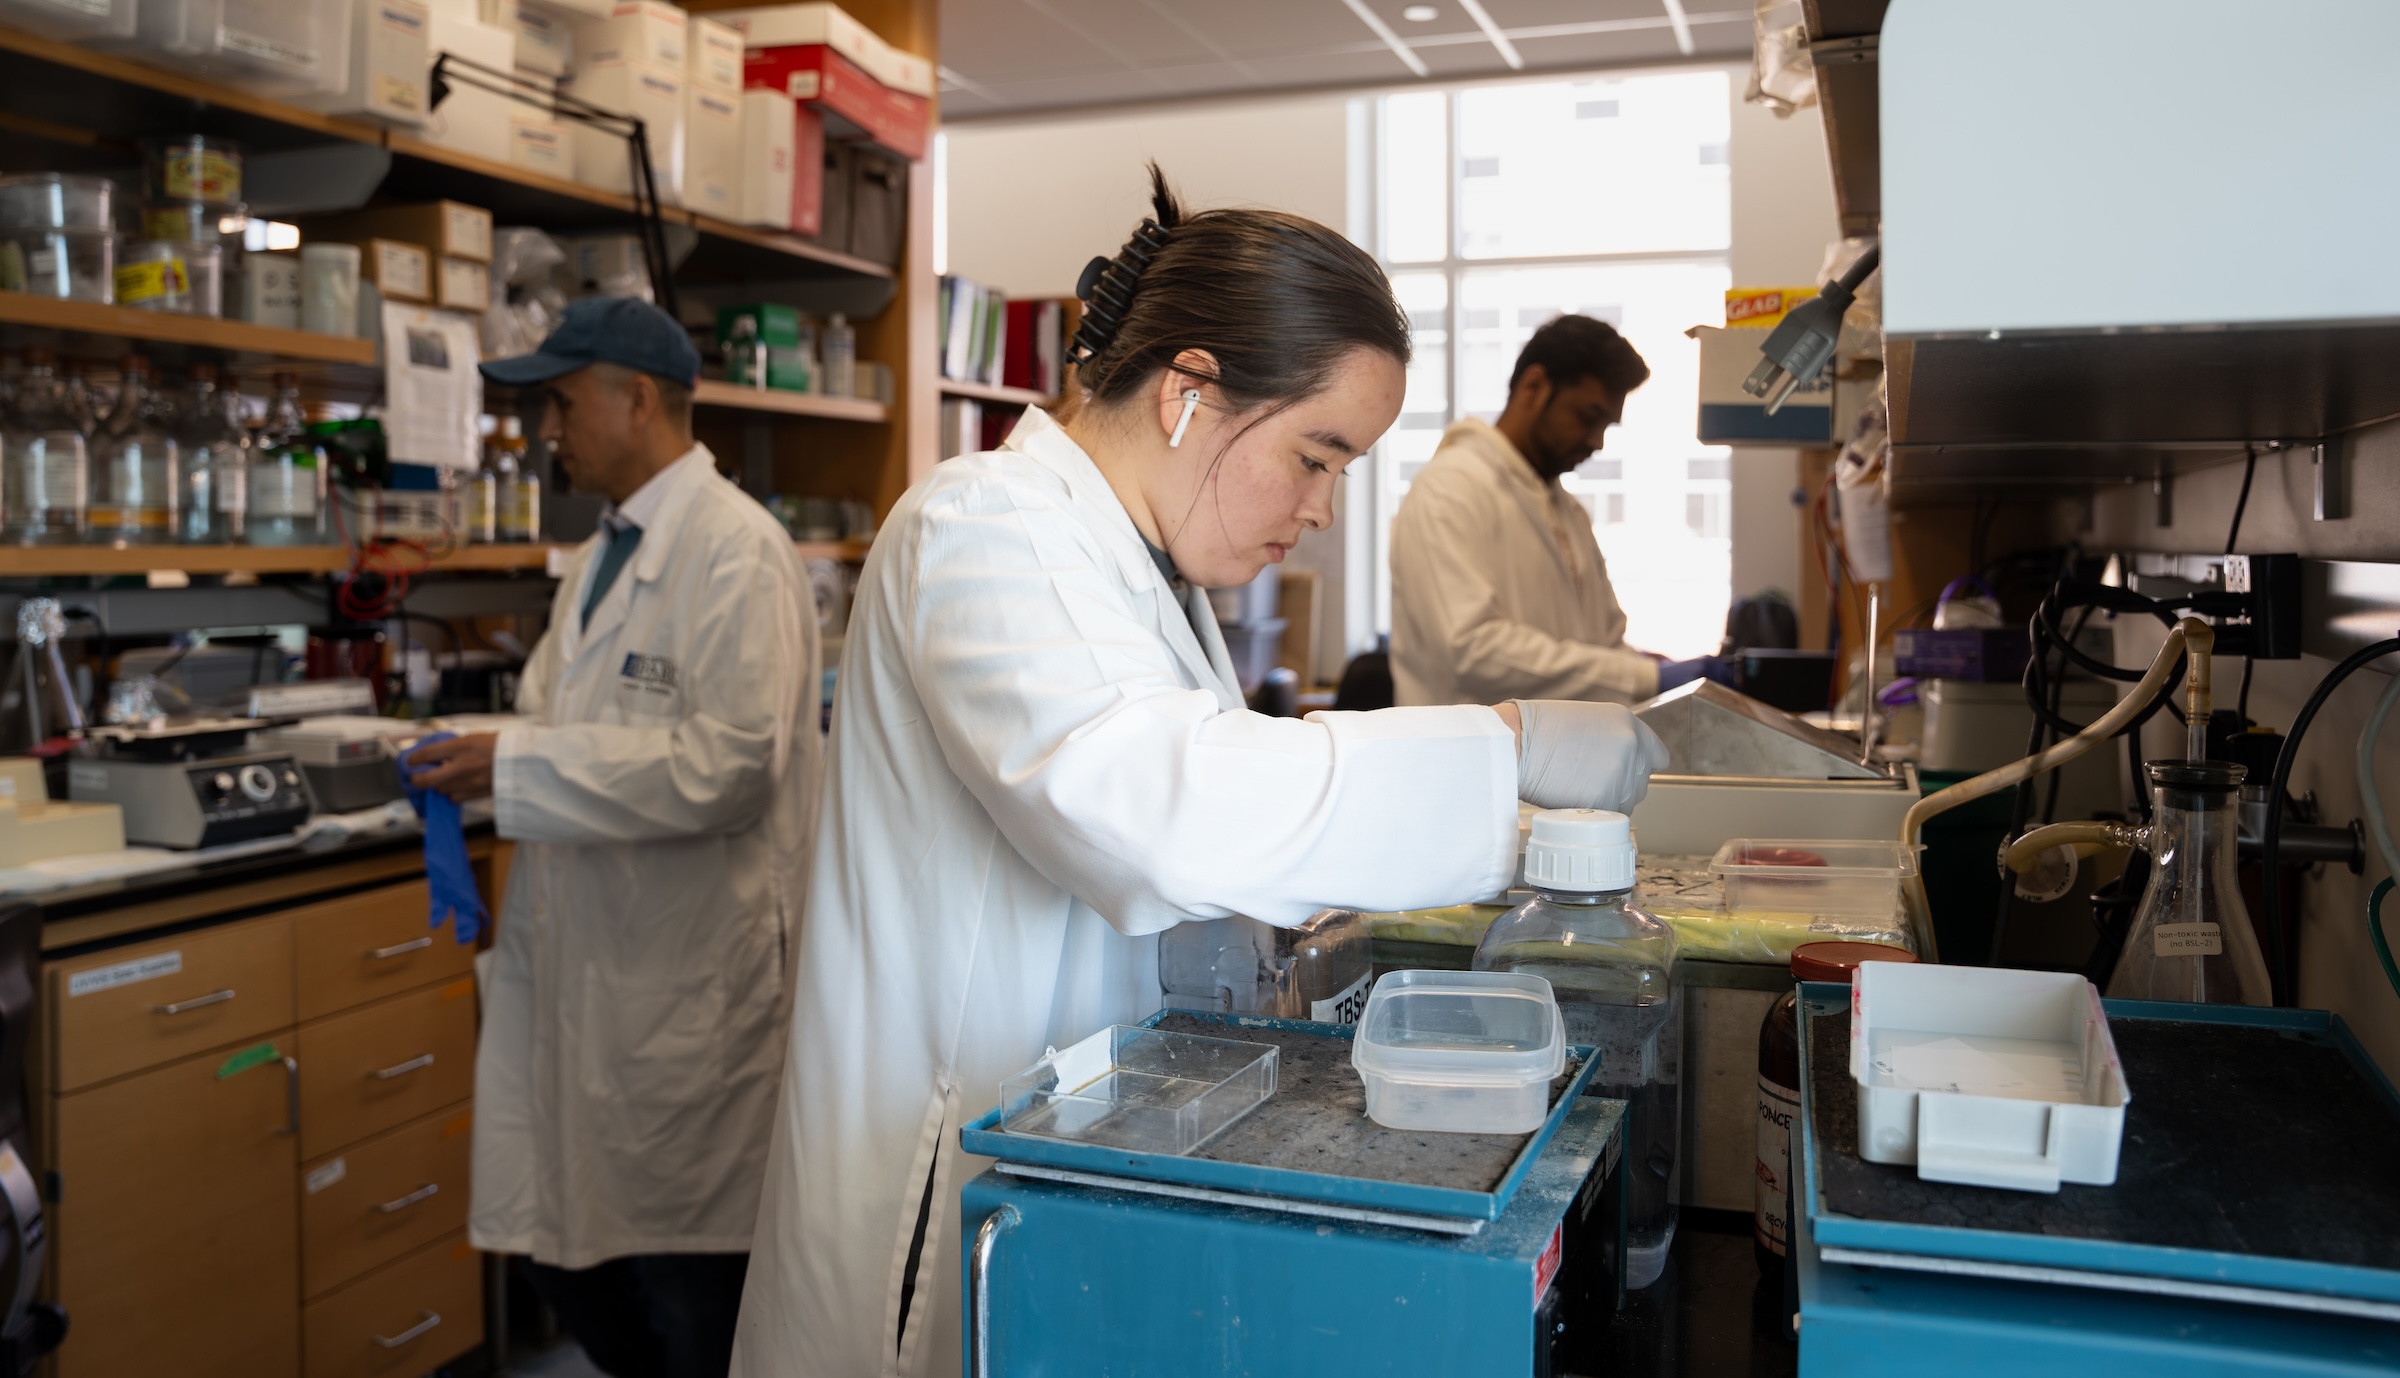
(1587, 850)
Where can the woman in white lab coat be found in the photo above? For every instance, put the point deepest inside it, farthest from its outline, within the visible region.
(1040, 760)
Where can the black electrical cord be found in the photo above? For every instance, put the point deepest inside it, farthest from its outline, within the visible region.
(2241, 504)
(2285, 965)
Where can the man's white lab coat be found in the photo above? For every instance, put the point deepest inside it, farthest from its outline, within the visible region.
(1498, 587)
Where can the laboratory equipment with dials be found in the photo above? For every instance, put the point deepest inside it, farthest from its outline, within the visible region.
(194, 784)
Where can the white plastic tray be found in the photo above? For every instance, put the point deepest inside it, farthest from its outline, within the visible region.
(1986, 1077)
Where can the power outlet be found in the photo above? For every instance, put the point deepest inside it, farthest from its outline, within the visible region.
(2268, 627)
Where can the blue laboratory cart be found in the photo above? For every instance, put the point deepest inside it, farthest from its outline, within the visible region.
(2254, 1227)
(1100, 1263)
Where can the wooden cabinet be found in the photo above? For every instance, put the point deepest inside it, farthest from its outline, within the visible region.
(173, 1225)
(257, 1139)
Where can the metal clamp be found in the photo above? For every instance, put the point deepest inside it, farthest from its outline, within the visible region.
(394, 1207)
(291, 1092)
(432, 1319)
(385, 954)
(214, 997)
(979, 1282)
(400, 1069)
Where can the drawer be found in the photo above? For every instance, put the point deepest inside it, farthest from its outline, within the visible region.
(363, 948)
(374, 1068)
(374, 1201)
(129, 1008)
(400, 1321)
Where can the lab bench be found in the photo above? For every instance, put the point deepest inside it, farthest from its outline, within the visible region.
(251, 1090)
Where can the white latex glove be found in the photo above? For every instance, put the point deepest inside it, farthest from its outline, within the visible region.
(1575, 755)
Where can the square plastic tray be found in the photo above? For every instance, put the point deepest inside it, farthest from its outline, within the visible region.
(1800, 876)
(1312, 1142)
(1142, 1089)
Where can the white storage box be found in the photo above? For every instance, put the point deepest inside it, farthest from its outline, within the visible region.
(645, 31)
(712, 151)
(713, 56)
(765, 181)
(653, 95)
(391, 56)
(1470, 1052)
(545, 36)
(1985, 1076)
(75, 19)
(538, 143)
(471, 119)
(282, 47)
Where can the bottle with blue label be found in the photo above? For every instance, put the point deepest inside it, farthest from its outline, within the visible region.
(1612, 966)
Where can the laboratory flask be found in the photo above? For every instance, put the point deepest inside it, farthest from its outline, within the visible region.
(43, 459)
(1612, 966)
(287, 475)
(216, 460)
(2191, 938)
(134, 472)
(1319, 969)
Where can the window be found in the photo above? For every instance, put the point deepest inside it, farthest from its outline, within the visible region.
(1500, 207)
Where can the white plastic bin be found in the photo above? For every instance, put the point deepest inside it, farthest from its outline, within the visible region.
(287, 47)
(1987, 1077)
(1466, 1052)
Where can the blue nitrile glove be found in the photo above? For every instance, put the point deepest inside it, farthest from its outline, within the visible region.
(447, 873)
(1674, 674)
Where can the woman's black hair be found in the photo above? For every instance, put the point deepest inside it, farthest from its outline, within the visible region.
(1275, 299)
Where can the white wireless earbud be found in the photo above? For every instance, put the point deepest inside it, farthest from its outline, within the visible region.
(1191, 403)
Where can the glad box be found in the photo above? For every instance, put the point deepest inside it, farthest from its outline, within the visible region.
(653, 95)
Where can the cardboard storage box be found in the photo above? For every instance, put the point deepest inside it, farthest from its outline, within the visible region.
(399, 270)
(712, 151)
(463, 285)
(470, 119)
(651, 94)
(713, 56)
(390, 60)
(878, 205)
(538, 143)
(447, 229)
(545, 36)
(645, 31)
(819, 75)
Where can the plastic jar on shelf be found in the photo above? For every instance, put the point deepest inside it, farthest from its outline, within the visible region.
(191, 167)
(55, 236)
(172, 275)
(57, 201)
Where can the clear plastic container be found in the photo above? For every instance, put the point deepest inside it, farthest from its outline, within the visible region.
(195, 222)
(136, 487)
(170, 275)
(1800, 876)
(57, 263)
(1459, 1052)
(1142, 1090)
(1319, 969)
(71, 19)
(56, 201)
(189, 167)
(1612, 966)
(44, 460)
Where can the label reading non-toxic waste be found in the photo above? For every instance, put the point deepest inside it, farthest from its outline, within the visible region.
(148, 968)
(2188, 940)
(201, 175)
(139, 282)
(1771, 1201)
(1343, 1008)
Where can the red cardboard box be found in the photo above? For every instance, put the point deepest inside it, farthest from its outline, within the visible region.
(857, 104)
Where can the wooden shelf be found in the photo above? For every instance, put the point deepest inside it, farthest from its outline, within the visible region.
(85, 323)
(731, 236)
(69, 561)
(994, 392)
(735, 397)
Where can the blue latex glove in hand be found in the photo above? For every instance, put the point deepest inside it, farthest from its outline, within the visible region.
(1674, 674)
(447, 873)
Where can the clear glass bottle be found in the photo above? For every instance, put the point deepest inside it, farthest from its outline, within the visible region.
(136, 478)
(86, 405)
(44, 460)
(841, 357)
(1319, 969)
(520, 489)
(1612, 966)
(2191, 938)
(287, 475)
(216, 461)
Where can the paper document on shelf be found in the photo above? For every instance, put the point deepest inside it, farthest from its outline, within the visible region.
(432, 392)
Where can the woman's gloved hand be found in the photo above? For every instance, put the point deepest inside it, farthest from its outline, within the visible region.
(1574, 755)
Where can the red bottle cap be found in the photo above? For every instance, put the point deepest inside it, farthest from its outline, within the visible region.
(1835, 961)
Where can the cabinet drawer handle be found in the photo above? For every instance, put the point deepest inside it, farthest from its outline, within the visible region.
(393, 1207)
(385, 954)
(400, 1069)
(432, 1319)
(214, 997)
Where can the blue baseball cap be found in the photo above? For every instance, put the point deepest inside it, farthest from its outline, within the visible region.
(605, 330)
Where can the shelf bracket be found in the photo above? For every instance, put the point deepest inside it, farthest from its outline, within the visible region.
(2330, 463)
(1836, 52)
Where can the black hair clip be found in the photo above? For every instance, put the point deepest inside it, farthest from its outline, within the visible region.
(1107, 287)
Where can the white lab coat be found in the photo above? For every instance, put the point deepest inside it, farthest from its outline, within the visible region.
(1498, 587)
(1037, 764)
(662, 793)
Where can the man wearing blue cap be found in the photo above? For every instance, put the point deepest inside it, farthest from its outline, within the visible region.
(661, 786)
